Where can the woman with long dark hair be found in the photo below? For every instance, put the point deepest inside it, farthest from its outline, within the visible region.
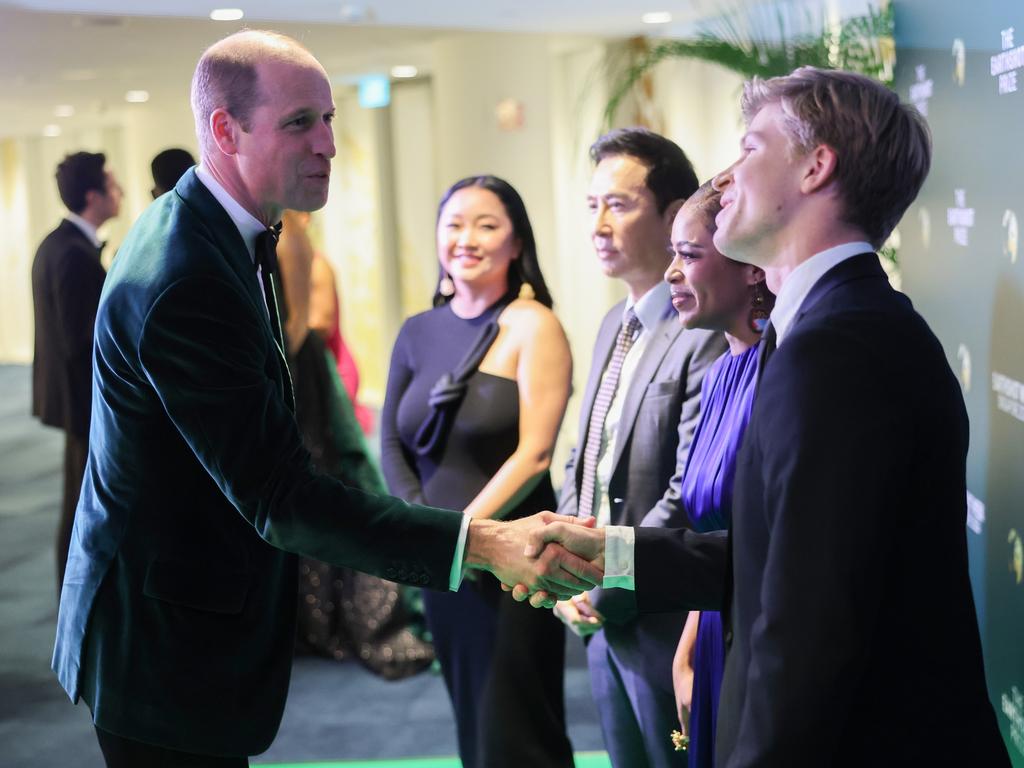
(476, 392)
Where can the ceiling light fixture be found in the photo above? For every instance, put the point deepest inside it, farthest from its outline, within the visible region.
(353, 13)
(137, 97)
(51, 131)
(226, 14)
(656, 17)
(63, 110)
(401, 71)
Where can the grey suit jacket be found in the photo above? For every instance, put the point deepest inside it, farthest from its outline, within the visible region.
(659, 415)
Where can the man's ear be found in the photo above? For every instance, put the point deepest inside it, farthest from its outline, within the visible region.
(91, 196)
(225, 131)
(820, 168)
(670, 214)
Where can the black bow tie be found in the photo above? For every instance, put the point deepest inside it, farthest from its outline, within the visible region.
(266, 248)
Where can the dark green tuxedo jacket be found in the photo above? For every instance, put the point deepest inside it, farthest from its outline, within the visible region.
(177, 615)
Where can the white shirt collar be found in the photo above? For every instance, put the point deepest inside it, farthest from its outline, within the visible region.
(248, 225)
(800, 281)
(87, 228)
(651, 307)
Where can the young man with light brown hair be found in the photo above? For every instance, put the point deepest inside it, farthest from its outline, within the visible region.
(846, 645)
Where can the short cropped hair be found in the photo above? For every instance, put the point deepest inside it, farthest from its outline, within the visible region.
(169, 166)
(226, 77)
(77, 174)
(883, 147)
(670, 175)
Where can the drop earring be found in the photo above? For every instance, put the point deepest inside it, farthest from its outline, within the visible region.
(758, 317)
(446, 287)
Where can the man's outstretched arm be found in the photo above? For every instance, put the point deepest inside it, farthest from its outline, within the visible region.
(670, 569)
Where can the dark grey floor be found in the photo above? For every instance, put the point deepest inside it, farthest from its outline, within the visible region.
(335, 711)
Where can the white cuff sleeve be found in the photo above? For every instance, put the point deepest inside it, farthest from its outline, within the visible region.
(618, 557)
(455, 579)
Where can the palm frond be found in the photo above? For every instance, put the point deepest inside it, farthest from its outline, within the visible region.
(744, 42)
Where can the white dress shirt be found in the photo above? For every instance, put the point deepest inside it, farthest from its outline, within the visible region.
(800, 281)
(87, 228)
(619, 556)
(249, 227)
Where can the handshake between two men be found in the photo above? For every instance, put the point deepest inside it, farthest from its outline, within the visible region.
(543, 558)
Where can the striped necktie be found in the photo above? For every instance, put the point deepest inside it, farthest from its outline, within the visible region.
(599, 412)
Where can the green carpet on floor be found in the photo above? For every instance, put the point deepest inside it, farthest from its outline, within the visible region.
(583, 760)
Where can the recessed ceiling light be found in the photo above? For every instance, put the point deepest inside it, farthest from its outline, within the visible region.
(226, 14)
(404, 70)
(137, 97)
(353, 13)
(63, 110)
(51, 130)
(656, 17)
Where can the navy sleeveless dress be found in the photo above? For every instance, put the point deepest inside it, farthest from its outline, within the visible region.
(502, 661)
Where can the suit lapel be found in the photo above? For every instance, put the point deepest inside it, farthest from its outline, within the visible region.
(229, 242)
(606, 336)
(661, 341)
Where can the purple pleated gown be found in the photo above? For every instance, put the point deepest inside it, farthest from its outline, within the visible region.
(727, 396)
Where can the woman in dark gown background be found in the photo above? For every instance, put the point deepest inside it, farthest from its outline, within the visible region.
(713, 292)
(481, 441)
(342, 613)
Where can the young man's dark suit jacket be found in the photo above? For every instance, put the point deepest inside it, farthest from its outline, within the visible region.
(854, 639)
(660, 412)
(67, 278)
(178, 612)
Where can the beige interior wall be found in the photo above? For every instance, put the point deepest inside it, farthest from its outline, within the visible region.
(30, 206)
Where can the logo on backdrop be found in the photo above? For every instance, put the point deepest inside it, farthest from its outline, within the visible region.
(925, 217)
(1016, 555)
(1010, 242)
(1009, 395)
(921, 91)
(1013, 707)
(960, 217)
(959, 62)
(964, 355)
(1004, 65)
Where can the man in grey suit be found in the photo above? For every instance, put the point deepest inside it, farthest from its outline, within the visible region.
(641, 404)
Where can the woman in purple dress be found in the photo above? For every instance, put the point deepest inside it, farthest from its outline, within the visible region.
(714, 292)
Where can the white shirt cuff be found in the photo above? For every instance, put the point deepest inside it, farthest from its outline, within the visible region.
(455, 578)
(618, 557)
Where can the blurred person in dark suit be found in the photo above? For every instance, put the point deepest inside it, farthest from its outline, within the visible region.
(67, 277)
(168, 167)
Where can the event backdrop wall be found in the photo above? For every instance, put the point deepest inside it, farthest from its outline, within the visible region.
(963, 65)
